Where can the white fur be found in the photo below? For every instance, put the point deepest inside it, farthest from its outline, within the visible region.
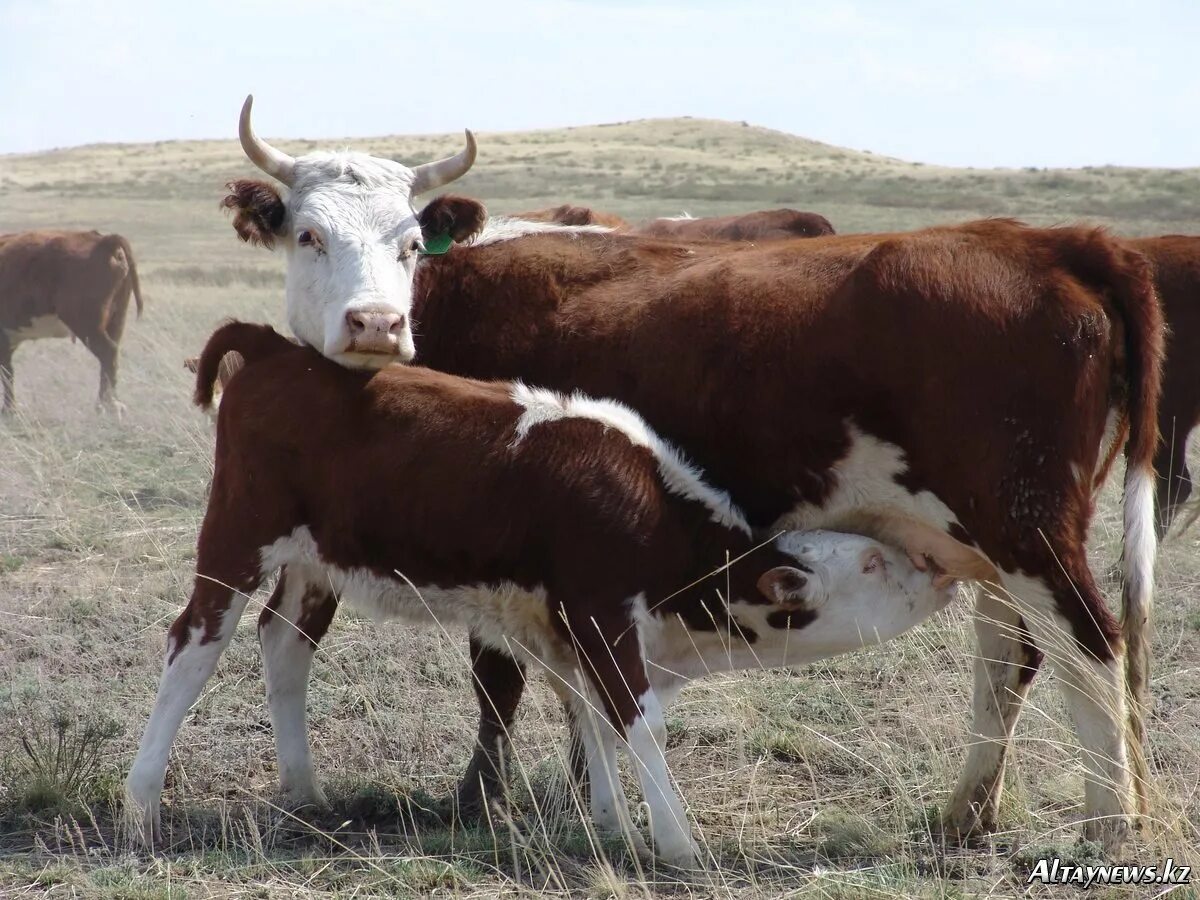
(647, 742)
(1140, 548)
(865, 479)
(505, 228)
(48, 326)
(361, 208)
(679, 476)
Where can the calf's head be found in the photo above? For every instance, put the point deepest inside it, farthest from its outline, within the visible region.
(839, 592)
(352, 238)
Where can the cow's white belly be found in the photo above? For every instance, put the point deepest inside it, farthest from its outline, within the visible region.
(865, 480)
(50, 326)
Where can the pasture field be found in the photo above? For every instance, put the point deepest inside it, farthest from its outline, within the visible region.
(822, 781)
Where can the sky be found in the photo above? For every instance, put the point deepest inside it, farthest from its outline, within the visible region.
(1012, 83)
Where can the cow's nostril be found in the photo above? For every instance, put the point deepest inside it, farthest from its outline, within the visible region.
(356, 323)
(399, 326)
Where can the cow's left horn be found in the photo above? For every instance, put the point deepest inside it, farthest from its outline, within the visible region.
(274, 162)
(435, 174)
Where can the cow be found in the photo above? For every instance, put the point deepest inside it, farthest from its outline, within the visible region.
(574, 215)
(761, 225)
(961, 376)
(351, 236)
(73, 284)
(1176, 262)
(559, 528)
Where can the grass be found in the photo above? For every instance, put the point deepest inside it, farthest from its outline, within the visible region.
(824, 781)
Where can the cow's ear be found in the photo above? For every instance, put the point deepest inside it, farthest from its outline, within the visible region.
(259, 211)
(784, 586)
(458, 217)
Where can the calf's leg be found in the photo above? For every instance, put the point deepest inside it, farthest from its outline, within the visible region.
(289, 630)
(499, 681)
(194, 644)
(6, 373)
(1174, 478)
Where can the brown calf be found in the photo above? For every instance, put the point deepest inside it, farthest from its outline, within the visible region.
(560, 530)
(63, 284)
(574, 215)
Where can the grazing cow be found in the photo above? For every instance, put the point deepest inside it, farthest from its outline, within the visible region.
(961, 376)
(66, 284)
(762, 225)
(560, 529)
(351, 238)
(574, 215)
(1176, 262)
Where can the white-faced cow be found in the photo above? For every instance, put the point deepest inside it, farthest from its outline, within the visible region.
(351, 236)
(560, 529)
(961, 376)
(66, 284)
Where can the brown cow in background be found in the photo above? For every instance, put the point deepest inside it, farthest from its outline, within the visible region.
(574, 215)
(761, 225)
(66, 284)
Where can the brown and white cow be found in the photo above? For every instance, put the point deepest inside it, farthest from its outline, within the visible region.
(761, 225)
(560, 529)
(66, 284)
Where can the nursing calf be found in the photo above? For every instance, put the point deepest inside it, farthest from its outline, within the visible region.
(560, 530)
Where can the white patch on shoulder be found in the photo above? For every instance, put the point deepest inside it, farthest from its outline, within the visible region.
(504, 228)
(48, 326)
(865, 480)
(679, 476)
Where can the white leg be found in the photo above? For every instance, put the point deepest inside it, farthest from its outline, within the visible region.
(647, 741)
(1095, 697)
(184, 676)
(610, 812)
(297, 608)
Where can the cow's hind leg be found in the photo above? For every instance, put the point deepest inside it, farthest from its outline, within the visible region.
(195, 642)
(104, 349)
(1174, 478)
(6, 374)
(499, 681)
(1005, 667)
(1070, 623)
(289, 629)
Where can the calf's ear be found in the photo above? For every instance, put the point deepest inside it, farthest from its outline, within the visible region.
(259, 211)
(784, 586)
(450, 215)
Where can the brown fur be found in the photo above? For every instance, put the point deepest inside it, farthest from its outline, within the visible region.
(84, 278)
(573, 215)
(259, 211)
(761, 225)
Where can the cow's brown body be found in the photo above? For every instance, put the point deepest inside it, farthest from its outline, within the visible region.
(761, 225)
(1176, 261)
(987, 355)
(64, 283)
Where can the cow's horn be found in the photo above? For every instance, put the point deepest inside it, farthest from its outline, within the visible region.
(443, 171)
(274, 162)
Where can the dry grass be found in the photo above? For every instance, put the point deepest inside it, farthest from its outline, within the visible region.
(820, 782)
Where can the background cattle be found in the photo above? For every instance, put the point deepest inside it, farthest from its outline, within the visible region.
(935, 387)
(66, 284)
(560, 529)
(573, 215)
(762, 225)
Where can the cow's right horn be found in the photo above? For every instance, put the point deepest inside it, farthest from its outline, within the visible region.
(434, 174)
(274, 162)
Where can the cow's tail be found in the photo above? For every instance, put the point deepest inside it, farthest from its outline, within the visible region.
(1132, 291)
(118, 242)
(251, 342)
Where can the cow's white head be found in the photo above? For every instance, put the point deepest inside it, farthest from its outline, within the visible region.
(352, 238)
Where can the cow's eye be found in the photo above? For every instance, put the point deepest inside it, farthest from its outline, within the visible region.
(305, 239)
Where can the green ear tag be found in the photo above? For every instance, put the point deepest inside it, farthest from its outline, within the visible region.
(437, 245)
